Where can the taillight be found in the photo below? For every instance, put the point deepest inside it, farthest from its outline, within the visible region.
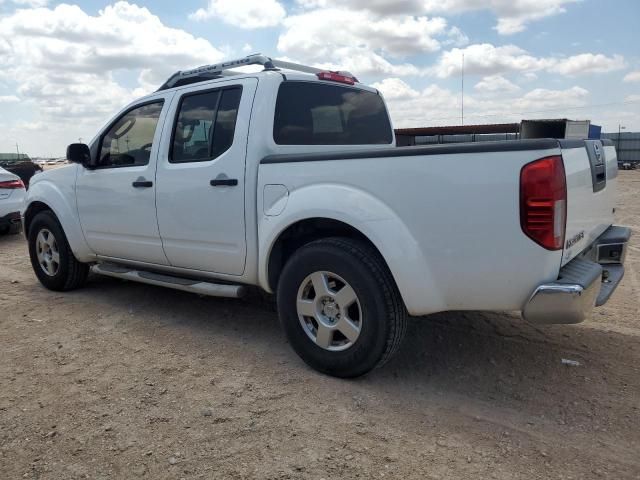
(336, 77)
(543, 202)
(12, 184)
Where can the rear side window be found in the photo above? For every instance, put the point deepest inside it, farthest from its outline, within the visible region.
(311, 113)
(205, 126)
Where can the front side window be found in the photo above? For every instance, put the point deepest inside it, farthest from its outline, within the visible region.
(312, 113)
(206, 125)
(128, 142)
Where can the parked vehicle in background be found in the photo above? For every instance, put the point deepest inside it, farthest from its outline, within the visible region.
(289, 179)
(627, 165)
(12, 196)
(56, 161)
(20, 165)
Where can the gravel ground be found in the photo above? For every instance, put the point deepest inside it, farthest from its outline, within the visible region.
(122, 380)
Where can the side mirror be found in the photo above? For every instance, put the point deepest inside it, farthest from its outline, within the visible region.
(79, 153)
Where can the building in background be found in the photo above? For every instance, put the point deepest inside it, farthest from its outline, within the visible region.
(457, 134)
(627, 143)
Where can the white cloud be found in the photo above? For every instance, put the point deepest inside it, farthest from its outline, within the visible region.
(247, 14)
(28, 3)
(362, 41)
(487, 59)
(360, 61)
(513, 15)
(396, 89)
(586, 63)
(495, 84)
(456, 37)
(632, 98)
(632, 76)
(410, 107)
(434, 105)
(542, 99)
(65, 62)
(9, 99)
(318, 32)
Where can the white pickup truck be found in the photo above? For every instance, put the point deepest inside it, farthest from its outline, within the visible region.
(289, 179)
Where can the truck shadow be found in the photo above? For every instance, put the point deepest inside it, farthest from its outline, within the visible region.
(477, 358)
(562, 373)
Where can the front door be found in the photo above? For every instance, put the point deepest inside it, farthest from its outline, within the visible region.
(201, 178)
(116, 200)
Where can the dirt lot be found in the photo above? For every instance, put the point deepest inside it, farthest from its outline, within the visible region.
(121, 380)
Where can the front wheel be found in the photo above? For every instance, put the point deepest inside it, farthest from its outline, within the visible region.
(52, 260)
(340, 307)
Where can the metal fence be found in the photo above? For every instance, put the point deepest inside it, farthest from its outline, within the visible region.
(627, 144)
(464, 138)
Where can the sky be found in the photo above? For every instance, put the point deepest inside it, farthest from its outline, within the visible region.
(66, 68)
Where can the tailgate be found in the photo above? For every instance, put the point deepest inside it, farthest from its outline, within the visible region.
(591, 167)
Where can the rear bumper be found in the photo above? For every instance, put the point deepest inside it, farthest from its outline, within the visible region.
(584, 283)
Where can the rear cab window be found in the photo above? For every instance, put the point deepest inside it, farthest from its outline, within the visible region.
(315, 113)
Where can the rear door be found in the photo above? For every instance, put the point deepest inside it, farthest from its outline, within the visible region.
(201, 178)
(591, 168)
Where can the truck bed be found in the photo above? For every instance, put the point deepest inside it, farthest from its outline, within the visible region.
(452, 213)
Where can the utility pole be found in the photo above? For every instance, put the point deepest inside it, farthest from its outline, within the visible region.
(17, 151)
(620, 128)
(462, 103)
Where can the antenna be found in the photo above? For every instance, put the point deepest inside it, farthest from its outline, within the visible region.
(462, 106)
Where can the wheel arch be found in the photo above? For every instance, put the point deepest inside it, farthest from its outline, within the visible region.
(30, 213)
(305, 231)
(46, 196)
(390, 239)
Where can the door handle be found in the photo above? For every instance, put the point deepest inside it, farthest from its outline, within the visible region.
(142, 184)
(224, 182)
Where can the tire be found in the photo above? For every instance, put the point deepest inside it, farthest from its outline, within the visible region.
(64, 274)
(341, 338)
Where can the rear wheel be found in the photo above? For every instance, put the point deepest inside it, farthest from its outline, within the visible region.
(340, 307)
(52, 260)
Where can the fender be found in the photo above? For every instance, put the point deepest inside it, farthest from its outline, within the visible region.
(373, 219)
(56, 189)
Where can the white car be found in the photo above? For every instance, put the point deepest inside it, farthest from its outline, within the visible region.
(289, 179)
(12, 196)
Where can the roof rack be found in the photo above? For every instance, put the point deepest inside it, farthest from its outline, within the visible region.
(208, 72)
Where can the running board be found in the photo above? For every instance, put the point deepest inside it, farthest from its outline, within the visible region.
(177, 283)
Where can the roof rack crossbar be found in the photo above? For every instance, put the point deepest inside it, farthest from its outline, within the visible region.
(215, 70)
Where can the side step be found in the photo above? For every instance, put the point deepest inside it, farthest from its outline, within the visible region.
(186, 285)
